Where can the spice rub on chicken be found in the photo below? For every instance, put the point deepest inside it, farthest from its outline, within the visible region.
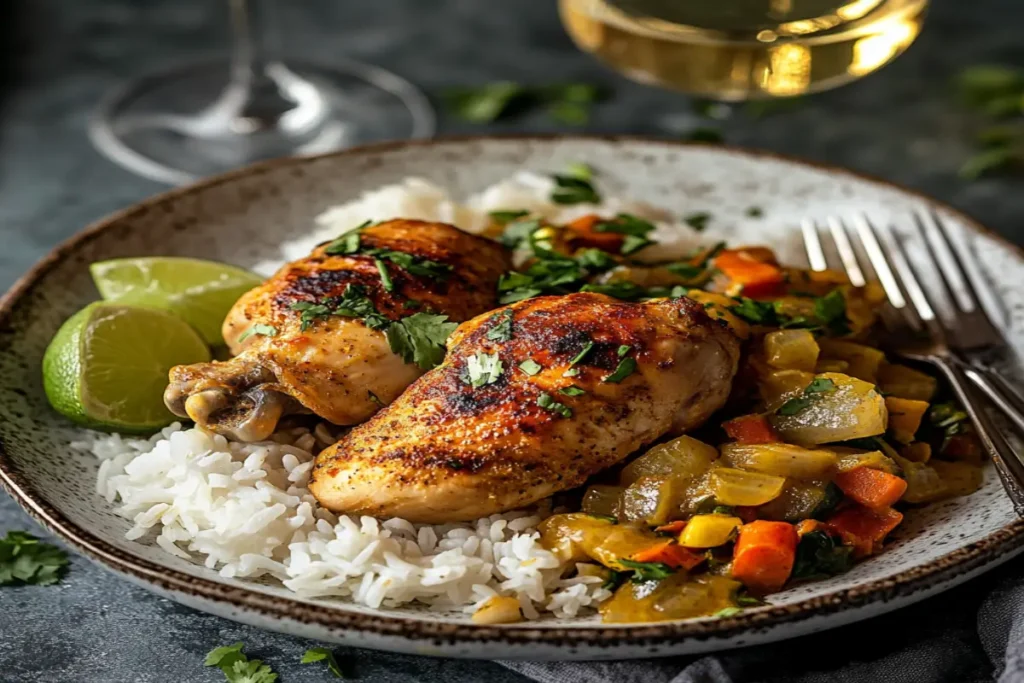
(341, 332)
(532, 399)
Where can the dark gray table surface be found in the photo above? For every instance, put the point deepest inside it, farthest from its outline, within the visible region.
(57, 57)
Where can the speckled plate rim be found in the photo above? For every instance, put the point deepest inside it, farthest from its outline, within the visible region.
(972, 558)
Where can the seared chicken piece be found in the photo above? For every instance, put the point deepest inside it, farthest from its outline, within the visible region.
(448, 451)
(337, 367)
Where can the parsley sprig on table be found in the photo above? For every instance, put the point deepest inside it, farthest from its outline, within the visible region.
(568, 103)
(996, 93)
(24, 559)
(322, 654)
(237, 667)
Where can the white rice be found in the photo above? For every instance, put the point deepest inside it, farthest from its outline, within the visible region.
(245, 509)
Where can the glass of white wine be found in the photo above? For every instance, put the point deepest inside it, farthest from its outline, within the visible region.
(204, 118)
(735, 50)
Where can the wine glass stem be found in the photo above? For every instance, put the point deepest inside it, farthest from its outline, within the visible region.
(255, 44)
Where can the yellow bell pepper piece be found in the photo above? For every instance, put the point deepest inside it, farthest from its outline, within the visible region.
(709, 531)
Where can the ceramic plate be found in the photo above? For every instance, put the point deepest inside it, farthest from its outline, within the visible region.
(241, 218)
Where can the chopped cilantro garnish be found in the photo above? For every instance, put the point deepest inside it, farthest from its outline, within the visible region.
(819, 556)
(320, 654)
(348, 242)
(517, 233)
(385, 276)
(595, 260)
(571, 390)
(587, 348)
(547, 402)
(627, 291)
(485, 103)
(687, 271)
(625, 368)
(820, 385)
(578, 169)
(260, 329)
(623, 350)
(727, 612)
(483, 368)
(237, 667)
(420, 338)
(571, 372)
(831, 311)
(530, 367)
(310, 312)
(501, 331)
(26, 559)
(635, 229)
(614, 580)
(698, 221)
(506, 217)
(757, 312)
(647, 571)
(573, 190)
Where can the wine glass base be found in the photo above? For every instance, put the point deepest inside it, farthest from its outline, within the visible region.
(189, 122)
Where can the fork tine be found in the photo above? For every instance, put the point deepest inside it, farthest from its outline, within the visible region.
(846, 253)
(975, 288)
(947, 286)
(894, 292)
(912, 285)
(812, 243)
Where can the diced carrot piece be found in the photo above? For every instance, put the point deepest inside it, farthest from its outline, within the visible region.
(870, 487)
(864, 528)
(670, 553)
(764, 554)
(584, 234)
(672, 527)
(758, 278)
(806, 526)
(751, 429)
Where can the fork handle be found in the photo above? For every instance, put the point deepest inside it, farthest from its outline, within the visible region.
(999, 391)
(1009, 467)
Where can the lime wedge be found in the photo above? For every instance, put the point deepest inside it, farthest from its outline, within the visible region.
(200, 292)
(107, 365)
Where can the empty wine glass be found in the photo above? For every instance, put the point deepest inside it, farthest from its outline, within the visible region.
(208, 117)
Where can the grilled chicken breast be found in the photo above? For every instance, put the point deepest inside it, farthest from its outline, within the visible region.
(334, 364)
(584, 381)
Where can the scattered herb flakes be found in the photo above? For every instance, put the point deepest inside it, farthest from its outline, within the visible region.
(320, 654)
(698, 221)
(757, 312)
(685, 270)
(501, 330)
(420, 338)
(374, 398)
(705, 134)
(237, 667)
(755, 212)
(578, 169)
(727, 612)
(647, 571)
(354, 303)
(260, 329)
(587, 348)
(414, 265)
(625, 368)
(573, 190)
(348, 242)
(482, 369)
(485, 103)
(517, 233)
(547, 402)
(385, 276)
(506, 217)
(820, 385)
(530, 367)
(632, 244)
(831, 311)
(595, 260)
(623, 350)
(571, 390)
(24, 559)
(310, 312)
(571, 372)
(636, 231)
(820, 556)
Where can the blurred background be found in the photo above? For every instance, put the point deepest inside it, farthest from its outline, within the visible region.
(939, 119)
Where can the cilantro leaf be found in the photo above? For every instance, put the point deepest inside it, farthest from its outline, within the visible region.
(483, 368)
(727, 612)
(506, 217)
(347, 242)
(625, 368)
(238, 668)
(320, 654)
(587, 348)
(260, 329)
(501, 331)
(698, 221)
(573, 190)
(819, 555)
(420, 338)
(627, 291)
(24, 559)
(310, 312)
(595, 260)
(571, 390)
(355, 303)
(578, 169)
(757, 312)
(647, 571)
(530, 367)
(485, 103)
(385, 276)
(831, 311)
(547, 402)
(819, 385)
(633, 244)
(685, 270)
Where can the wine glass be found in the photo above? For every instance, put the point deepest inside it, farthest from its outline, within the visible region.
(735, 50)
(208, 117)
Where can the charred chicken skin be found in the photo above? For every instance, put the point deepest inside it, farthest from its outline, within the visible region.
(303, 341)
(584, 380)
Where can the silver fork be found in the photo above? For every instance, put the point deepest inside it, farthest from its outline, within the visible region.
(913, 312)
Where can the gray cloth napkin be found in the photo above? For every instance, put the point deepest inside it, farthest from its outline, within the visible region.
(969, 634)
